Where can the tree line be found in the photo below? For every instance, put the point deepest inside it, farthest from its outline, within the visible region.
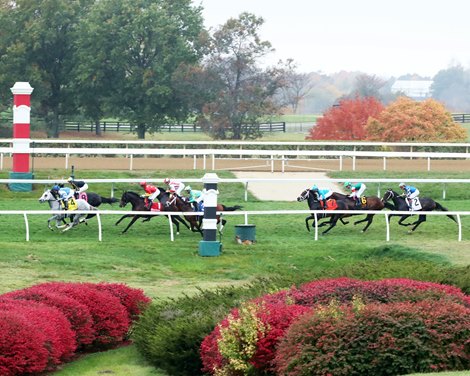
(149, 62)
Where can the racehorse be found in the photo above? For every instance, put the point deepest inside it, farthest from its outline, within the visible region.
(138, 204)
(95, 200)
(314, 203)
(427, 204)
(54, 204)
(175, 203)
(367, 203)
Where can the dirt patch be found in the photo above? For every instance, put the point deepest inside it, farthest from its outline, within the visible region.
(285, 190)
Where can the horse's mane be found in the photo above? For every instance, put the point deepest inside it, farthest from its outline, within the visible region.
(134, 194)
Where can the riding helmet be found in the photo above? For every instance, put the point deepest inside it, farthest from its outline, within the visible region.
(55, 188)
(166, 181)
(314, 188)
(188, 188)
(143, 183)
(347, 184)
(70, 179)
(402, 185)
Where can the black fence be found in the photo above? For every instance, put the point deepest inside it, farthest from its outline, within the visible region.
(461, 118)
(127, 127)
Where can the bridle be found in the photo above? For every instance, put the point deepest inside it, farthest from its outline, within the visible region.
(304, 195)
(388, 195)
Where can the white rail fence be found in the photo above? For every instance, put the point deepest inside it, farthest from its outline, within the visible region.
(246, 181)
(208, 154)
(246, 214)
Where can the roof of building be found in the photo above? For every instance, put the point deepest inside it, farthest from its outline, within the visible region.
(413, 88)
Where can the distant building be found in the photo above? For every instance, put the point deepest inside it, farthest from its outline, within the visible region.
(414, 89)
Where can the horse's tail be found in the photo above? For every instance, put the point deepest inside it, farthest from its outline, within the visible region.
(442, 208)
(231, 208)
(107, 200)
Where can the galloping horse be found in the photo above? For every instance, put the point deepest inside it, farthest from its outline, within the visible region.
(314, 203)
(427, 204)
(54, 204)
(367, 203)
(138, 204)
(178, 205)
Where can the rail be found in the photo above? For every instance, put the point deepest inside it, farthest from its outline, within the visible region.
(247, 181)
(246, 214)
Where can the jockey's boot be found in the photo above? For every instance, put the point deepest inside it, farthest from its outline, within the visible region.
(66, 205)
(358, 201)
(148, 205)
(323, 203)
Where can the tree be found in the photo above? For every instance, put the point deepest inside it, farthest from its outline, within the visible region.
(129, 50)
(346, 121)
(298, 86)
(37, 45)
(238, 92)
(408, 120)
(452, 87)
(367, 86)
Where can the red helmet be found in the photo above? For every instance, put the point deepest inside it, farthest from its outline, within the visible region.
(143, 183)
(166, 181)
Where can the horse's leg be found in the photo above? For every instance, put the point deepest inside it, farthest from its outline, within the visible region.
(421, 219)
(124, 216)
(332, 223)
(369, 218)
(177, 225)
(403, 217)
(131, 223)
(307, 219)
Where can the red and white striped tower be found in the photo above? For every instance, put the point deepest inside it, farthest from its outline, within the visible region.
(21, 134)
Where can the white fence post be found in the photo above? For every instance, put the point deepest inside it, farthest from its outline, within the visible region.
(172, 236)
(27, 226)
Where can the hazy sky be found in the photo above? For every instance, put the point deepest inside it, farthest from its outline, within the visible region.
(386, 38)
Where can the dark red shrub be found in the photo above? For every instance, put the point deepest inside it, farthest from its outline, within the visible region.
(384, 291)
(59, 337)
(110, 320)
(379, 339)
(276, 318)
(22, 346)
(77, 313)
(133, 299)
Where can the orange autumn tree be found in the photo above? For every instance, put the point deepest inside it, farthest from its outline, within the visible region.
(346, 121)
(408, 120)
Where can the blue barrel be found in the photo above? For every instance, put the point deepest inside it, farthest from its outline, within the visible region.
(245, 232)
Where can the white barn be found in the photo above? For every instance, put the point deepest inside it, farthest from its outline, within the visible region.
(412, 88)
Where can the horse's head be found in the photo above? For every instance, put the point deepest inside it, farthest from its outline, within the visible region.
(388, 195)
(47, 196)
(304, 195)
(125, 199)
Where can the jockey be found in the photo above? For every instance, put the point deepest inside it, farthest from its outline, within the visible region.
(195, 198)
(410, 193)
(78, 185)
(356, 191)
(151, 193)
(323, 194)
(62, 194)
(174, 186)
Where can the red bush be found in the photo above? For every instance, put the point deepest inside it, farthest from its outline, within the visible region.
(77, 313)
(110, 320)
(59, 337)
(383, 291)
(396, 338)
(22, 346)
(133, 299)
(275, 317)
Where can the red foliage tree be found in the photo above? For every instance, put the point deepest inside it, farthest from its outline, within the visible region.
(408, 120)
(346, 121)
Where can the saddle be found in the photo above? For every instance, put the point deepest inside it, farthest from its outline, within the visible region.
(156, 206)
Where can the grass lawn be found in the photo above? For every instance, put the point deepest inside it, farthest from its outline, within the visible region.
(146, 258)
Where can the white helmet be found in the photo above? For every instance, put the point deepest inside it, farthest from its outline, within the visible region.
(167, 180)
(187, 188)
(402, 185)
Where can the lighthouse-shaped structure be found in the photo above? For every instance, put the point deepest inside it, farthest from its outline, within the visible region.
(21, 135)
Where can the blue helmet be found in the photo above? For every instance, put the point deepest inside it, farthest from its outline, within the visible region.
(314, 188)
(55, 188)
